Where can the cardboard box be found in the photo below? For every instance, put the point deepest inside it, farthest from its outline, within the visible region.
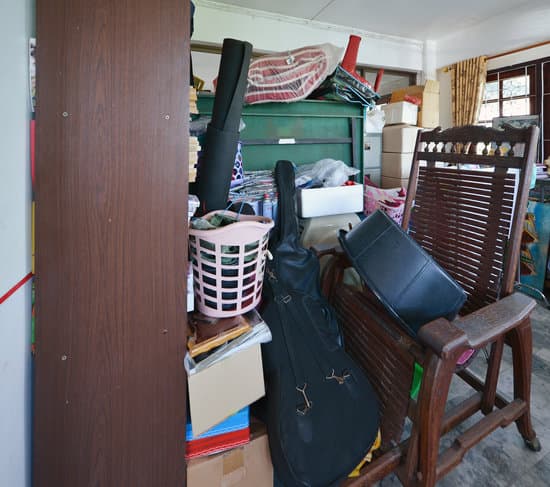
(224, 388)
(389, 182)
(396, 165)
(329, 201)
(245, 466)
(400, 112)
(428, 112)
(399, 138)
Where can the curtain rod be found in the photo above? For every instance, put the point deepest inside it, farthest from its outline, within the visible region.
(520, 49)
(507, 53)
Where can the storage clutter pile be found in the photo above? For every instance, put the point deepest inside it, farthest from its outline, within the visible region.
(232, 347)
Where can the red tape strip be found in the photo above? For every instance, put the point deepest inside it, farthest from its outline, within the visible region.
(21, 283)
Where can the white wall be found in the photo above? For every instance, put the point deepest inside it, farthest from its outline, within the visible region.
(15, 196)
(274, 33)
(510, 30)
(520, 57)
(445, 110)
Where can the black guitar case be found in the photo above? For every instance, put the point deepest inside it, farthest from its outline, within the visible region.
(321, 411)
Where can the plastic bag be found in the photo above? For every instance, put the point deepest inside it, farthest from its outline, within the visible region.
(292, 75)
(326, 173)
(390, 201)
(374, 121)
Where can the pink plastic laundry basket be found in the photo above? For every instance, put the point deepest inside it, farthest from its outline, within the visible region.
(228, 264)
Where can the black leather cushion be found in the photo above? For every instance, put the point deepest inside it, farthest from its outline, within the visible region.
(406, 279)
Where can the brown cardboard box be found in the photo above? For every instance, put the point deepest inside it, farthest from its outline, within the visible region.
(225, 387)
(396, 165)
(428, 112)
(389, 182)
(245, 466)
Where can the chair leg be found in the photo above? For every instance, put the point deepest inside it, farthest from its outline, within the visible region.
(491, 378)
(521, 341)
(431, 409)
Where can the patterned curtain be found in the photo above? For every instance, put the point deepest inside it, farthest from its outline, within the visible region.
(467, 87)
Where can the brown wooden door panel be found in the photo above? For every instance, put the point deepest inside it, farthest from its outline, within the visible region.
(111, 242)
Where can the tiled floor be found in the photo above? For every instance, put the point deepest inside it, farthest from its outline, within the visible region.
(502, 459)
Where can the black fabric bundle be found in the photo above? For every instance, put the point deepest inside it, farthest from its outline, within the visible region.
(222, 135)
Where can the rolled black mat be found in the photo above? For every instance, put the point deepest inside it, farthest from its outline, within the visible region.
(220, 146)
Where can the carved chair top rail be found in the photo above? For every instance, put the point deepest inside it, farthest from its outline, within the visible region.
(478, 133)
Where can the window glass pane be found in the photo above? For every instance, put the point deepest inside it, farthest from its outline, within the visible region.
(516, 86)
(516, 107)
(491, 91)
(488, 111)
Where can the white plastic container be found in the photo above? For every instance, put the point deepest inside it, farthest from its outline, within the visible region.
(400, 112)
(329, 201)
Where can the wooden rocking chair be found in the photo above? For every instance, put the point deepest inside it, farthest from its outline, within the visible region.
(470, 219)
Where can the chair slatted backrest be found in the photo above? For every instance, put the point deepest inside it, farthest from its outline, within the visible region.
(467, 202)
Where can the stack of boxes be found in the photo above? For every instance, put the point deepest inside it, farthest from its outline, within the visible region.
(224, 447)
(398, 143)
(403, 121)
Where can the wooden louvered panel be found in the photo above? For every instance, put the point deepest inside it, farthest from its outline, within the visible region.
(466, 267)
(468, 252)
(469, 236)
(461, 217)
(472, 246)
(448, 224)
(468, 177)
(369, 333)
(477, 186)
(466, 192)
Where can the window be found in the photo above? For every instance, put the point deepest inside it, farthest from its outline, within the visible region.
(523, 89)
(511, 92)
(391, 80)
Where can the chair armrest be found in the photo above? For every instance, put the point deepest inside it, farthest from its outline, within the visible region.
(477, 329)
(488, 323)
(326, 249)
(443, 338)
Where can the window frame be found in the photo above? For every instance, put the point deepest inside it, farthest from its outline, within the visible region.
(501, 75)
(536, 95)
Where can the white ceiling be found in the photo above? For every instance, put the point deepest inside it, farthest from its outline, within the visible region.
(416, 19)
